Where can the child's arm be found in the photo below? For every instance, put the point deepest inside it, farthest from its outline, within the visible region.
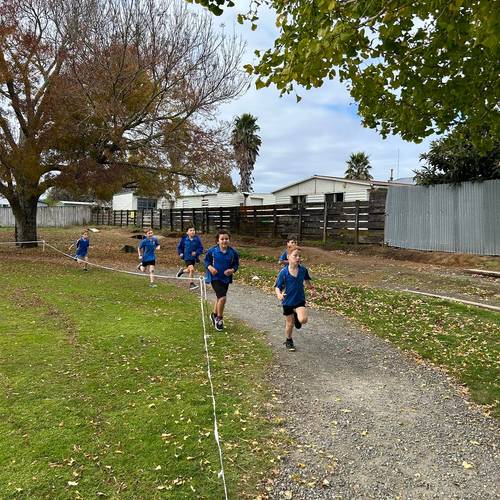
(139, 248)
(208, 259)
(279, 286)
(180, 247)
(236, 265)
(279, 293)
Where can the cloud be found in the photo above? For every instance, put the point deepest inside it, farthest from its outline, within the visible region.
(314, 136)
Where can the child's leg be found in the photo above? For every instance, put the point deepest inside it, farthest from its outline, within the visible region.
(85, 260)
(151, 274)
(302, 315)
(190, 270)
(219, 307)
(289, 326)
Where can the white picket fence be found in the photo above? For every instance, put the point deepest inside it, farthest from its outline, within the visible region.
(51, 216)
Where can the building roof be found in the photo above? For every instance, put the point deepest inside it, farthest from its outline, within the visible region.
(339, 179)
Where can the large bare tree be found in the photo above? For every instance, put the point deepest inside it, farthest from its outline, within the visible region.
(94, 93)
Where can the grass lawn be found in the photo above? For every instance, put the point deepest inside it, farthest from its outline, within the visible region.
(104, 390)
(463, 340)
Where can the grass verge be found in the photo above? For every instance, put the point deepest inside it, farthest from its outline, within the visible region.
(461, 339)
(104, 391)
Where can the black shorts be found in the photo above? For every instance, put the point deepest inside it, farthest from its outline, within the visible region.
(145, 263)
(288, 310)
(190, 262)
(220, 288)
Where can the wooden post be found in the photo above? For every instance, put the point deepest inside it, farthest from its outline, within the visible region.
(206, 218)
(126, 219)
(255, 221)
(171, 218)
(275, 222)
(182, 220)
(161, 217)
(193, 213)
(325, 221)
(300, 222)
(237, 214)
(221, 220)
(356, 224)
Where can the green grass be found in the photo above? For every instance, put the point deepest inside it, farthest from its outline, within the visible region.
(104, 391)
(463, 340)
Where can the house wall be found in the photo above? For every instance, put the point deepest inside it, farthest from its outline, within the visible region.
(315, 189)
(124, 201)
(223, 200)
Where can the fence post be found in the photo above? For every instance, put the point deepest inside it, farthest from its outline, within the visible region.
(193, 216)
(221, 220)
(255, 221)
(325, 221)
(182, 220)
(275, 222)
(300, 222)
(161, 219)
(356, 224)
(126, 218)
(171, 219)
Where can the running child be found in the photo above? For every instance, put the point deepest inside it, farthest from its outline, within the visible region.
(290, 243)
(189, 249)
(289, 289)
(82, 249)
(146, 250)
(221, 262)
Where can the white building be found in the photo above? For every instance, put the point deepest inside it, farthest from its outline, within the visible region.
(320, 188)
(200, 200)
(128, 200)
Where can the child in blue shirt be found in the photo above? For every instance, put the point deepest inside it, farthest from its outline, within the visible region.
(189, 249)
(221, 262)
(146, 250)
(290, 243)
(82, 249)
(289, 289)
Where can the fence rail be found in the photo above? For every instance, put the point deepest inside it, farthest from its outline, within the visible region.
(313, 221)
(51, 216)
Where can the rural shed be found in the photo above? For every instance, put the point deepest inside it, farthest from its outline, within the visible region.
(320, 188)
(216, 200)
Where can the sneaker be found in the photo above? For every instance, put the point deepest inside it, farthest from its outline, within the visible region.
(219, 325)
(85, 269)
(180, 272)
(213, 318)
(289, 345)
(193, 286)
(296, 322)
(153, 285)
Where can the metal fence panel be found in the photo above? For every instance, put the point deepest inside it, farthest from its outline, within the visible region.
(463, 218)
(51, 216)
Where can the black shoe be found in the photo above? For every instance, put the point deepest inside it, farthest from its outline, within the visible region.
(219, 325)
(193, 286)
(212, 318)
(180, 272)
(289, 345)
(296, 322)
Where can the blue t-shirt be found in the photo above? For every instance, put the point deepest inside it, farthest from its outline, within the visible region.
(292, 286)
(82, 247)
(148, 246)
(187, 246)
(283, 256)
(221, 261)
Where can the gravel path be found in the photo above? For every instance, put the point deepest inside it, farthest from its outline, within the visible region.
(365, 419)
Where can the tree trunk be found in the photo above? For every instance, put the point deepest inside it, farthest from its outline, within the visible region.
(24, 209)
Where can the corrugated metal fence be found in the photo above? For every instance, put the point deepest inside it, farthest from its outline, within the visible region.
(463, 218)
(51, 216)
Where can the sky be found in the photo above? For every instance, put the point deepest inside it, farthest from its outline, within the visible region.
(314, 136)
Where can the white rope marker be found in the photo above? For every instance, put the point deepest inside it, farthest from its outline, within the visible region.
(203, 298)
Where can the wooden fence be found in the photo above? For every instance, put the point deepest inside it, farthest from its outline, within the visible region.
(312, 221)
(51, 216)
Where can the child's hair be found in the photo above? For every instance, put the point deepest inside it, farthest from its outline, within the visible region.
(294, 248)
(190, 226)
(221, 231)
(292, 237)
(148, 229)
(85, 231)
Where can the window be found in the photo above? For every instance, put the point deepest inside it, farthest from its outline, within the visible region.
(334, 197)
(204, 202)
(300, 199)
(146, 203)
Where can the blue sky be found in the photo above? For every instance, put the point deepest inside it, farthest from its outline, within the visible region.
(314, 136)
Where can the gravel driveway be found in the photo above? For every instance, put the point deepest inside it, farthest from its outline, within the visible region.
(365, 419)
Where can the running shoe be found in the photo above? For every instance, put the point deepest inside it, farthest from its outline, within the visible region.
(296, 322)
(193, 286)
(180, 272)
(289, 345)
(153, 285)
(213, 318)
(219, 325)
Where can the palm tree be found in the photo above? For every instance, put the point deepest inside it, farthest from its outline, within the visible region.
(358, 167)
(246, 144)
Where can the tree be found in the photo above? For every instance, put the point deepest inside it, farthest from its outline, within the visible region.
(414, 68)
(246, 144)
(226, 185)
(97, 93)
(454, 159)
(358, 167)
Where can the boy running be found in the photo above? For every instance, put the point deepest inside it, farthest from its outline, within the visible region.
(289, 289)
(221, 262)
(290, 243)
(189, 249)
(146, 251)
(82, 249)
